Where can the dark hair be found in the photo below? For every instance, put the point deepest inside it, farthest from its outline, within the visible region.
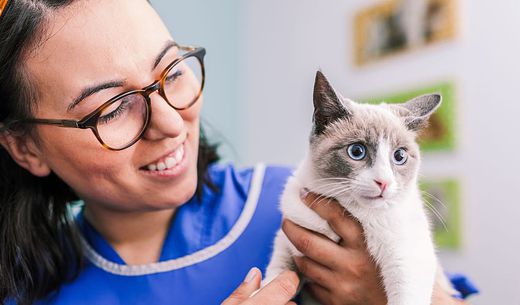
(40, 248)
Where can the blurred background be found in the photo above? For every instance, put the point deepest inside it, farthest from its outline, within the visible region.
(261, 62)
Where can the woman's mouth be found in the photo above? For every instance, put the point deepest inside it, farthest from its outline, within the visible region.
(167, 162)
(172, 164)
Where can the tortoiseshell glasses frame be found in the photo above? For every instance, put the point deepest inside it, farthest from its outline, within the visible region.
(90, 121)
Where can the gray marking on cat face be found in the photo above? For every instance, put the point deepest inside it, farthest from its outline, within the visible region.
(372, 126)
(367, 125)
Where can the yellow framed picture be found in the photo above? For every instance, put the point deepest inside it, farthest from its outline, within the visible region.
(394, 26)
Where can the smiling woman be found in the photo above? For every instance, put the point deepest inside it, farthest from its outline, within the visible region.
(44, 167)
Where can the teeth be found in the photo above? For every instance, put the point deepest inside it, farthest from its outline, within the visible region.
(169, 162)
(161, 166)
(179, 154)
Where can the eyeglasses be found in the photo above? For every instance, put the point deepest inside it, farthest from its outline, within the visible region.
(122, 121)
(3, 4)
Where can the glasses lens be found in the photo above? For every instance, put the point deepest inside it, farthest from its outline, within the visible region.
(122, 122)
(183, 83)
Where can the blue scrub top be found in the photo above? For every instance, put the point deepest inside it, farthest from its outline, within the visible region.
(211, 245)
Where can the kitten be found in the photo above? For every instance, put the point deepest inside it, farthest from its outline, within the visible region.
(366, 157)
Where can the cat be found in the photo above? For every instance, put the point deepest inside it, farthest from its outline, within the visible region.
(366, 157)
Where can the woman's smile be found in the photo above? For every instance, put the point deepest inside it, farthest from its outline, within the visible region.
(173, 164)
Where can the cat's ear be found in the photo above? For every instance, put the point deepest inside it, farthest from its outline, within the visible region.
(417, 111)
(328, 106)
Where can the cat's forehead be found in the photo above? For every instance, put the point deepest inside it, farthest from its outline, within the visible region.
(370, 123)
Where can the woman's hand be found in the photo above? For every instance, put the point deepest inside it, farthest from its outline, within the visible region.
(342, 273)
(278, 292)
(441, 297)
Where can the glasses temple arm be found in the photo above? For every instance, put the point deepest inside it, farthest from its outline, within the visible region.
(60, 123)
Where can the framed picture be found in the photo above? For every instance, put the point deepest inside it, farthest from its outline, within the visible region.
(440, 133)
(442, 200)
(394, 26)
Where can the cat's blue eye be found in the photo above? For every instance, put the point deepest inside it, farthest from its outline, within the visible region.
(400, 156)
(357, 151)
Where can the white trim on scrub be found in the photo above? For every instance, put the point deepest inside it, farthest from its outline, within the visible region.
(196, 257)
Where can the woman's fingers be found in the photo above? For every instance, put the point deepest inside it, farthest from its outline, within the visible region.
(314, 271)
(313, 245)
(250, 284)
(279, 291)
(339, 219)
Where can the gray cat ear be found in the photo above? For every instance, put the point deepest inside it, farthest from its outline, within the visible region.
(417, 111)
(327, 105)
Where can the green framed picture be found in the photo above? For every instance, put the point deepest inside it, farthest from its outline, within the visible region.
(440, 134)
(442, 199)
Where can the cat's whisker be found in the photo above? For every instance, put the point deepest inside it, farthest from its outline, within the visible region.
(337, 193)
(435, 198)
(333, 178)
(333, 193)
(364, 189)
(317, 189)
(436, 213)
(342, 192)
(318, 200)
(327, 189)
(435, 209)
(331, 188)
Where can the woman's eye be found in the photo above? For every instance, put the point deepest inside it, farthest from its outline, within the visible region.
(357, 151)
(400, 156)
(173, 75)
(114, 114)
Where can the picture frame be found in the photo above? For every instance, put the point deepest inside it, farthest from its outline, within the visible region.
(395, 26)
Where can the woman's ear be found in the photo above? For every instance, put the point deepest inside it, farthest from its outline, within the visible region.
(25, 152)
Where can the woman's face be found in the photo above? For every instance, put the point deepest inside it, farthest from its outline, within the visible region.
(92, 43)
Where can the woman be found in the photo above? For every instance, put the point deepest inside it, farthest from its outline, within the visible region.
(160, 225)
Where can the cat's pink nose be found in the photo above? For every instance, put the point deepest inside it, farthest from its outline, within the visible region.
(382, 184)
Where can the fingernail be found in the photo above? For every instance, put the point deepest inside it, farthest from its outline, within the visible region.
(251, 275)
(304, 192)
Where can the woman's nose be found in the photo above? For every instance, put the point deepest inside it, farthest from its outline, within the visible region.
(165, 121)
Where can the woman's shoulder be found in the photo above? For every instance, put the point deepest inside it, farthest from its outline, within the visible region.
(245, 178)
(238, 189)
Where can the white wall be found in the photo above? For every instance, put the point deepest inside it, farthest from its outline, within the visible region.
(264, 54)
